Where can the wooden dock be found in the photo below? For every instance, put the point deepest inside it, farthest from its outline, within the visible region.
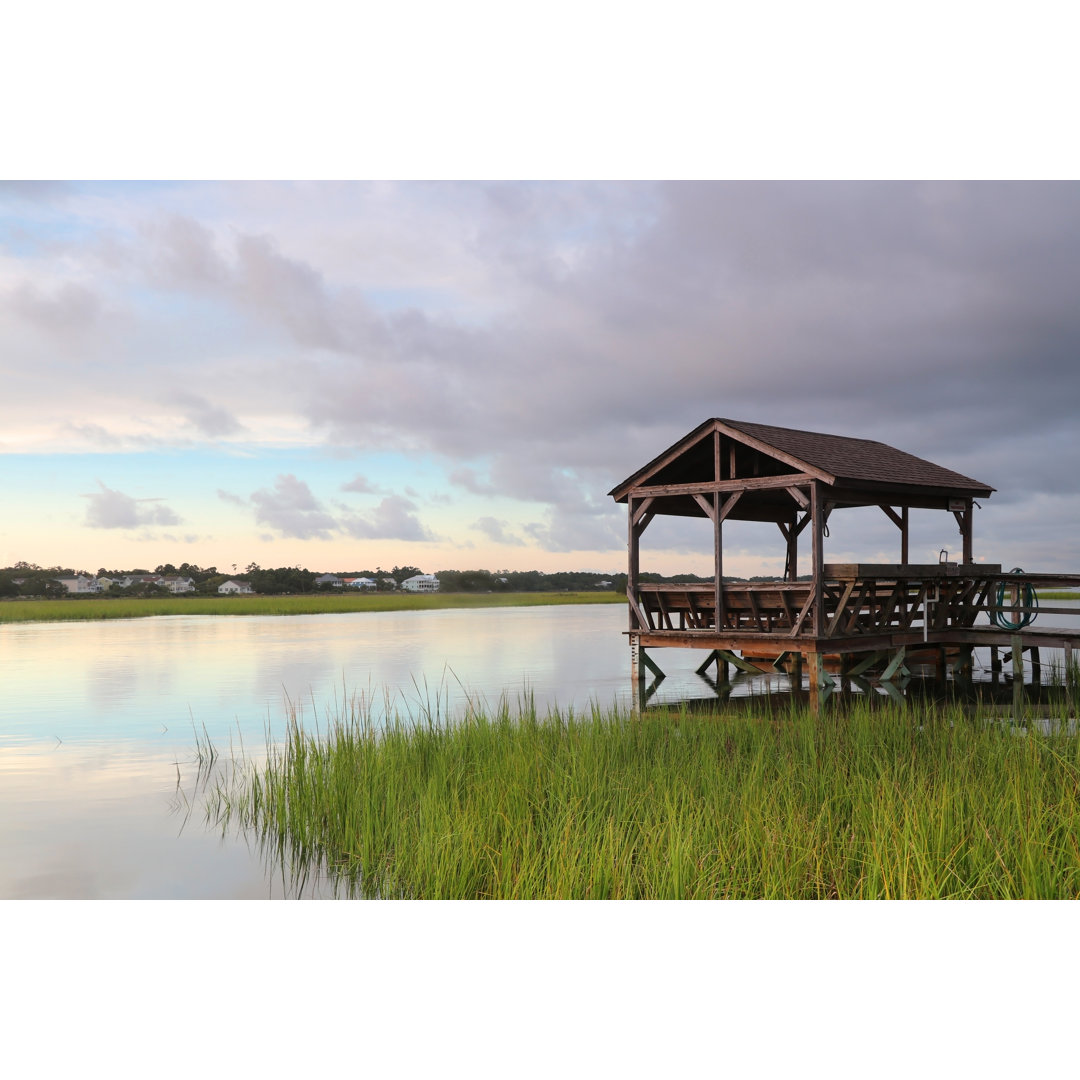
(862, 617)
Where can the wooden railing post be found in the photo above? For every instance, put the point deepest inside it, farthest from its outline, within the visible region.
(817, 523)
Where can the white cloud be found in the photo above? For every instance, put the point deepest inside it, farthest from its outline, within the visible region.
(110, 509)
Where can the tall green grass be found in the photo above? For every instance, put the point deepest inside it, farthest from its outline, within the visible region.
(137, 607)
(879, 802)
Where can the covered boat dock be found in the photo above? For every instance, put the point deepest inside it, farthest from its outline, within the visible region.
(863, 616)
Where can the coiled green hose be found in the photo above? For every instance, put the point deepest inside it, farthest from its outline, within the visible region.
(1030, 600)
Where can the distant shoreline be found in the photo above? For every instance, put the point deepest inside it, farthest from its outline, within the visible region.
(90, 609)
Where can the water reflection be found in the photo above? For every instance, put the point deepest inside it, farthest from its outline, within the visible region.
(99, 723)
(98, 719)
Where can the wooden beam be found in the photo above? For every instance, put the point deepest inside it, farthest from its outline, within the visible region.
(739, 662)
(839, 613)
(713, 657)
(729, 504)
(708, 507)
(893, 516)
(805, 611)
(799, 497)
(642, 622)
(775, 453)
(641, 509)
(651, 664)
(754, 483)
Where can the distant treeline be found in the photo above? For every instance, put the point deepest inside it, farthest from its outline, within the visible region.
(29, 579)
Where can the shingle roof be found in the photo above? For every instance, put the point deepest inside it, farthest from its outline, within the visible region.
(836, 459)
(856, 459)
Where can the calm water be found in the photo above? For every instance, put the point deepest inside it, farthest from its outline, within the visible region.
(98, 779)
(97, 723)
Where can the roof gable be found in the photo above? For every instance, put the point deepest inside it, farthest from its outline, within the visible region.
(750, 450)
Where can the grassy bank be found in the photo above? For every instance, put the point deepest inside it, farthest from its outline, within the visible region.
(132, 608)
(877, 803)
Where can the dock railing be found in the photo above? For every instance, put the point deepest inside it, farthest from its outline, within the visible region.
(859, 600)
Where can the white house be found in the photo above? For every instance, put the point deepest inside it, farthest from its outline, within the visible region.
(81, 583)
(233, 588)
(421, 583)
(360, 582)
(177, 585)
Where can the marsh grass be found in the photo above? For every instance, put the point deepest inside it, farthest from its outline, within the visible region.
(869, 803)
(73, 609)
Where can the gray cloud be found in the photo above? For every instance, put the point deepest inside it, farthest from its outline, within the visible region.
(68, 308)
(109, 509)
(35, 190)
(361, 485)
(470, 480)
(211, 420)
(290, 289)
(291, 509)
(564, 334)
(495, 530)
(183, 252)
(393, 519)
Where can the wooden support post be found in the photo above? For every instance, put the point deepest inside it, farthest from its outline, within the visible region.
(718, 561)
(962, 671)
(637, 677)
(632, 565)
(1018, 673)
(815, 669)
(795, 671)
(1036, 666)
(817, 514)
(904, 535)
(1068, 666)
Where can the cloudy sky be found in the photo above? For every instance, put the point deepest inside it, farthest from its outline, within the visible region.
(453, 375)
